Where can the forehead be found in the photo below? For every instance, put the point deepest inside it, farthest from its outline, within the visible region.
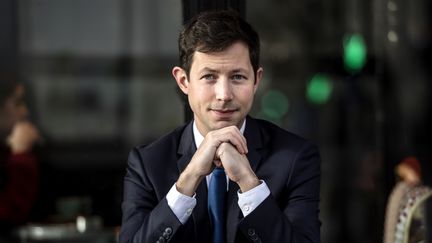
(235, 56)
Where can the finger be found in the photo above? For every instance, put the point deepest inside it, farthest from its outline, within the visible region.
(230, 135)
(234, 141)
(245, 143)
(239, 141)
(226, 149)
(242, 138)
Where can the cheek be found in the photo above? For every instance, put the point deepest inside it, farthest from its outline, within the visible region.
(246, 95)
(202, 94)
(196, 99)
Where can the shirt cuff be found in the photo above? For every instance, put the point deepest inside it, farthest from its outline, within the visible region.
(250, 200)
(181, 205)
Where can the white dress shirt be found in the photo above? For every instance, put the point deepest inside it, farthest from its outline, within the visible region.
(182, 205)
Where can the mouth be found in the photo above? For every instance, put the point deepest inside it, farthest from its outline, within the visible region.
(223, 112)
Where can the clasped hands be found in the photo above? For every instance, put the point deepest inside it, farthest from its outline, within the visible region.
(225, 147)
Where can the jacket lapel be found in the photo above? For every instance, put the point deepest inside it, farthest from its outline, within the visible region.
(200, 215)
(254, 141)
(233, 212)
(186, 148)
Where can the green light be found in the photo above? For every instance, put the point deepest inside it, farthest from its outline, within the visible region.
(274, 104)
(354, 52)
(319, 89)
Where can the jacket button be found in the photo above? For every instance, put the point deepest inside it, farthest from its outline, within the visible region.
(168, 230)
(161, 239)
(255, 238)
(166, 235)
(251, 232)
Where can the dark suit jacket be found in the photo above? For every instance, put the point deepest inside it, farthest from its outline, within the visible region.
(288, 164)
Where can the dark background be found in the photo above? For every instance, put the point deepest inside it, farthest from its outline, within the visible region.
(99, 82)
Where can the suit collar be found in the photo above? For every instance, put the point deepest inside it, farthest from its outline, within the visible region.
(186, 147)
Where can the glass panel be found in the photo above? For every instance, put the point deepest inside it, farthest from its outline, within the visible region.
(99, 80)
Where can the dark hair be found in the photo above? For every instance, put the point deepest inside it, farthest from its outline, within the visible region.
(214, 31)
(7, 87)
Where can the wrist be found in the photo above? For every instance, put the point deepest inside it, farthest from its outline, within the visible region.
(249, 182)
(188, 182)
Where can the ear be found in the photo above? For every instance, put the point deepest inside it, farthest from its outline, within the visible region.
(181, 79)
(258, 78)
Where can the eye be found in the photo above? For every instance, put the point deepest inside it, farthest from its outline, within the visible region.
(238, 77)
(208, 77)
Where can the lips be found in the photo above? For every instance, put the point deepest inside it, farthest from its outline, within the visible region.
(224, 112)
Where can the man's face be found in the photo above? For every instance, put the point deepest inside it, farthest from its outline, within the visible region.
(220, 88)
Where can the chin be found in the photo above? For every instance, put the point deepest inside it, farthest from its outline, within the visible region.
(222, 124)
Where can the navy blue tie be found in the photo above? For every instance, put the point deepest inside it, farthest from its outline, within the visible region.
(216, 204)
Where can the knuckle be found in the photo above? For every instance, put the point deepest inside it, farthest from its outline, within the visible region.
(225, 146)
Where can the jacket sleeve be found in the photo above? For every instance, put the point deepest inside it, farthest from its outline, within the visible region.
(296, 218)
(146, 218)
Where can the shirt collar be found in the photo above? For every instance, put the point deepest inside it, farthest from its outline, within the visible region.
(199, 137)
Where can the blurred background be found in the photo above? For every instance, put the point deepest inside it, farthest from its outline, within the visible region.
(351, 75)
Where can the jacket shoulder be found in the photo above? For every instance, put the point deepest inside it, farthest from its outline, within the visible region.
(167, 145)
(274, 134)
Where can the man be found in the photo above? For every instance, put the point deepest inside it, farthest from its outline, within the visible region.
(273, 176)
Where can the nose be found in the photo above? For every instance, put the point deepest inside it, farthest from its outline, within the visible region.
(223, 90)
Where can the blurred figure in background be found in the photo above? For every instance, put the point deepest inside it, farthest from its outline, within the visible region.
(405, 216)
(19, 172)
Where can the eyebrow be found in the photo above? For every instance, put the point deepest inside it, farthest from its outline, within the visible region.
(237, 70)
(207, 69)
